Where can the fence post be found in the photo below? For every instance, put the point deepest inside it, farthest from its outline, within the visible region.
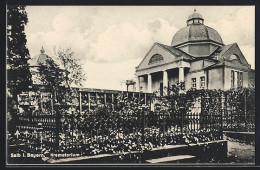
(51, 103)
(41, 101)
(105, 98)
(88, 103)
(222, 113)
(245, 109)
(80, 103)
(40, 131)
(163, 128)
(181, 110)
(112, 98)
(72, 129)
(143, 125)
(145, 98)
(57, 129)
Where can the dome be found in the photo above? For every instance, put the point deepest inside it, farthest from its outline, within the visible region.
(193, 33)
(40, 59)
(196, 31)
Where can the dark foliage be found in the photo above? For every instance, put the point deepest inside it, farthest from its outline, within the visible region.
(18, 73)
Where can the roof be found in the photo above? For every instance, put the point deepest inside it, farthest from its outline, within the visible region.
(220, 52)
(223, 49)
(195, 15)
(40, 59)
(173, 54)
(196, 32)
(220, 63)
(175, 51)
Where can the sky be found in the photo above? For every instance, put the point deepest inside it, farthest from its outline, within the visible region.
(110, 41)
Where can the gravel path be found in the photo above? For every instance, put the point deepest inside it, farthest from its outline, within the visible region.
(239, 152)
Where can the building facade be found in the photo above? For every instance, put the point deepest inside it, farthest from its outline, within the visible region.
(197, 57)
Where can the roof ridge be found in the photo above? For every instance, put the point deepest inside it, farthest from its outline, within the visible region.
(165, 47)
(230, 45)
(205, 27)
(216, 31)
(146, 54)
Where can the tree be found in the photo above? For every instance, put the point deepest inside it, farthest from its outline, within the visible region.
(18, 73)
(51, 75)
(54, 76)
(74, 73)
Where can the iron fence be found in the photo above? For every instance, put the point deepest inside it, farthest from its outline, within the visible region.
(239, 110)
(90, 122)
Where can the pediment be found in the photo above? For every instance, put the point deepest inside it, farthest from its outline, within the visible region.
(159, 55)
(234, 54)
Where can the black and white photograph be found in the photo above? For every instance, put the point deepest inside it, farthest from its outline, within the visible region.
(130, 85)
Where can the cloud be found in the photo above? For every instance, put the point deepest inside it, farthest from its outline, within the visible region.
(110, 49)
(240, 30)
(124, 41)
(120, 48)
(249, 53)
(112, 58)
(110, 75)
(66, 33)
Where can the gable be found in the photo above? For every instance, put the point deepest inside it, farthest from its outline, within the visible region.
(234, 55)
(159, 55)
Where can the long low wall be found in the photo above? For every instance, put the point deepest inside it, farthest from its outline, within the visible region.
(201, 152)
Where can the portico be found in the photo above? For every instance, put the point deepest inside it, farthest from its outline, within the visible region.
(160, 77)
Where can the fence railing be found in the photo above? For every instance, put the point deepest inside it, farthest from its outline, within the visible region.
(239, 112)
(89, 122)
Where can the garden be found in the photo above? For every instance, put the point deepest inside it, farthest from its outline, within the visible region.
(124, 124)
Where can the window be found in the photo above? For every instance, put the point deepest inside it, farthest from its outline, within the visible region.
(156, 58)
(202, 82)
(233, 57)
(196, 21)
(193, 83)
(240, 79)
(236, 79)
(232, 79)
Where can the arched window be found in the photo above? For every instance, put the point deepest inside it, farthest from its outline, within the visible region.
(233, 57)
(156, 58)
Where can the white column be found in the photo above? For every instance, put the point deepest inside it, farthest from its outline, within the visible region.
(181, 74)
(149, 84)
(165, 82)
(80, 102)
(137, 88)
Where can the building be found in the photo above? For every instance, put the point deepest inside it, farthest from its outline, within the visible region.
(197, 57)
(43, 59)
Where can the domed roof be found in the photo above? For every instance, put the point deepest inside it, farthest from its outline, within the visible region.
(195, 15)
(196, 31)
(40, 59)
